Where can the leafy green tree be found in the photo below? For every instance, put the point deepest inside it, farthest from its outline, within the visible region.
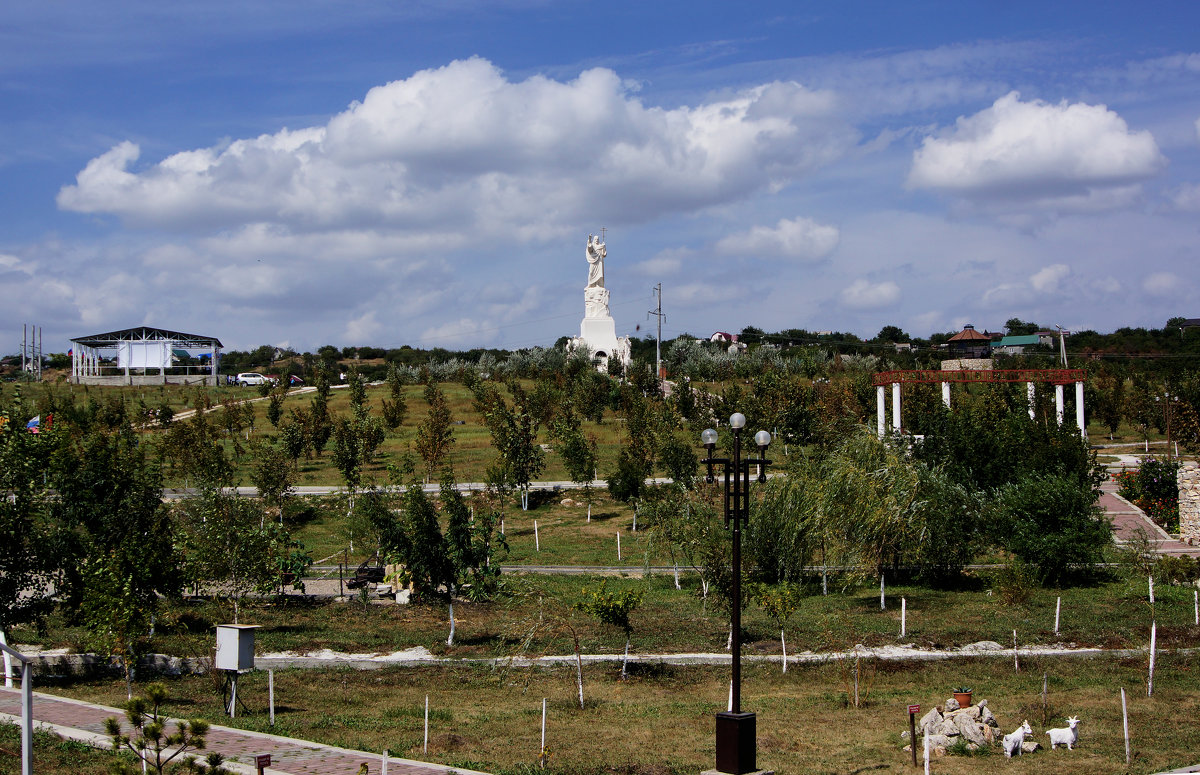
(613, 608)
(433, 433)
(25, 563)
(578, 453)
(275, 405)
(779, 602)
(1018, 327)
(229, 545)
(514, 435)
(194, 450)
(394, 408)
(1052, 523)
(271, 473)
(890, 335)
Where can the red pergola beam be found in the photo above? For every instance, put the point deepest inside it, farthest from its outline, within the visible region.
(1053, 376)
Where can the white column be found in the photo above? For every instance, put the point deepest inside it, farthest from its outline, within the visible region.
(946, 394)
(1058, 403)
(1080, 422)
(896, 406)
(1030, 394)
(880, 408)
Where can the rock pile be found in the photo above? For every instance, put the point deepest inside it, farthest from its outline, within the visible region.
(974, 724)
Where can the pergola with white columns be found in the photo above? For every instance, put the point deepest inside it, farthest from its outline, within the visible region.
(1057, 377)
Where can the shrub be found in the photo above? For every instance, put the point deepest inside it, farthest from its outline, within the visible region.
(1052, 523)
(1153, 488)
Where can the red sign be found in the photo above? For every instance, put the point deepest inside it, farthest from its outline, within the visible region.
(914, 709)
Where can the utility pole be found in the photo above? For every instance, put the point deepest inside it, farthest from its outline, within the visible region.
(1062, 345)
(658, 313)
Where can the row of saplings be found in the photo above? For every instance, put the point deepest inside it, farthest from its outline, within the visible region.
(970, 728)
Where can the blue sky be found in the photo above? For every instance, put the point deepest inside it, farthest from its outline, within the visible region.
(308, 172)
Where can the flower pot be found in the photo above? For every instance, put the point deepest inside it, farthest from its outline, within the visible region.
(963, 698)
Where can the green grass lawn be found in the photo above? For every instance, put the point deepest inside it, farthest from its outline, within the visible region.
(660, 721)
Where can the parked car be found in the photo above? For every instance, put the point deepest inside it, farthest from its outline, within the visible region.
(251, 378)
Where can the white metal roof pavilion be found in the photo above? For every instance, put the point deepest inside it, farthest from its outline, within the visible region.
(145, 356)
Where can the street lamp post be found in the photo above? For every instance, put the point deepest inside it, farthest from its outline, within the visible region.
(735, 729)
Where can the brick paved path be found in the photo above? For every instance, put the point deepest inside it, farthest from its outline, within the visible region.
(85, 720)
(1128, 519)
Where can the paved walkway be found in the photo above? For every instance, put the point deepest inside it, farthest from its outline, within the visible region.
(84, 721)
(1128, 520)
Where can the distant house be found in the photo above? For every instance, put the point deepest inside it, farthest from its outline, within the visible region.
(903, 347)
(969, 343)
(721, 336)
(1015, 345)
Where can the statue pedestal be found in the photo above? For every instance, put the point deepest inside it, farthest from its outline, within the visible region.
(600, 335)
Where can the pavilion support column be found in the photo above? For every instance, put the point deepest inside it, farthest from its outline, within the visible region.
(1031, 397)
(880, 408)
(1080, 421)
(1058, 403)
(946, 394)
(896, 406)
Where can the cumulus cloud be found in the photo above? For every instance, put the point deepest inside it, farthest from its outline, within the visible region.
(1161, 284)
(462, 148)
(1047, 280)
(1074, 154)
(862, 294)
(1187, 197)
(666, 262)
(802, 239)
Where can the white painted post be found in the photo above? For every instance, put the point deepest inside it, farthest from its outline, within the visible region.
(946, 394)
(425, 748)
(1057, 611)
(1151, 590)
(26, 718)
(502, 526)
(1125, 723)
(589, 519)
(882, 602)
(385, 761)
(537, 542)
(542, 753)
(731, 696)
(1153, 644)
(8, 671)
(1058, 404)
(926, 752)
(1196, 605)
(896, 406)
(880, 410)
(1016, 664)
(903, 615)
(783, 642)
(618, 546)
(1080, 422)
(1030, 396)
(271, 693)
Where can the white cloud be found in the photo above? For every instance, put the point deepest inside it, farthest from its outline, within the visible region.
(463, 149)
(666, 262)
(1161, 284)
(1069, 153)
(865, 295)
(798, 238)
(1047, 280)
(1187, 197)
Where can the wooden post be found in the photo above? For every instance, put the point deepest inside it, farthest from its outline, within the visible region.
(913, 710)
(1045, 704)
(542, 753)
(385, 761)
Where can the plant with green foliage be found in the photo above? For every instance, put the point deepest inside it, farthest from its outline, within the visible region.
(394, 408)
(514, 433)
(434, 436)
(577, 450)
(1053, 524)
(153, 744)
(271, 473)
(779, 601)
(612, 608)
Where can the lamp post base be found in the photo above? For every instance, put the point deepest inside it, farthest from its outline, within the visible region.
(736, 744)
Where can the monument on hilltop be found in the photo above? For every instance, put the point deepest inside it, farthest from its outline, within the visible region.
(598, 331)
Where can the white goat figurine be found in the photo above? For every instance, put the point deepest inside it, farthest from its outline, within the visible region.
(1013, 742)
(1068, 736)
